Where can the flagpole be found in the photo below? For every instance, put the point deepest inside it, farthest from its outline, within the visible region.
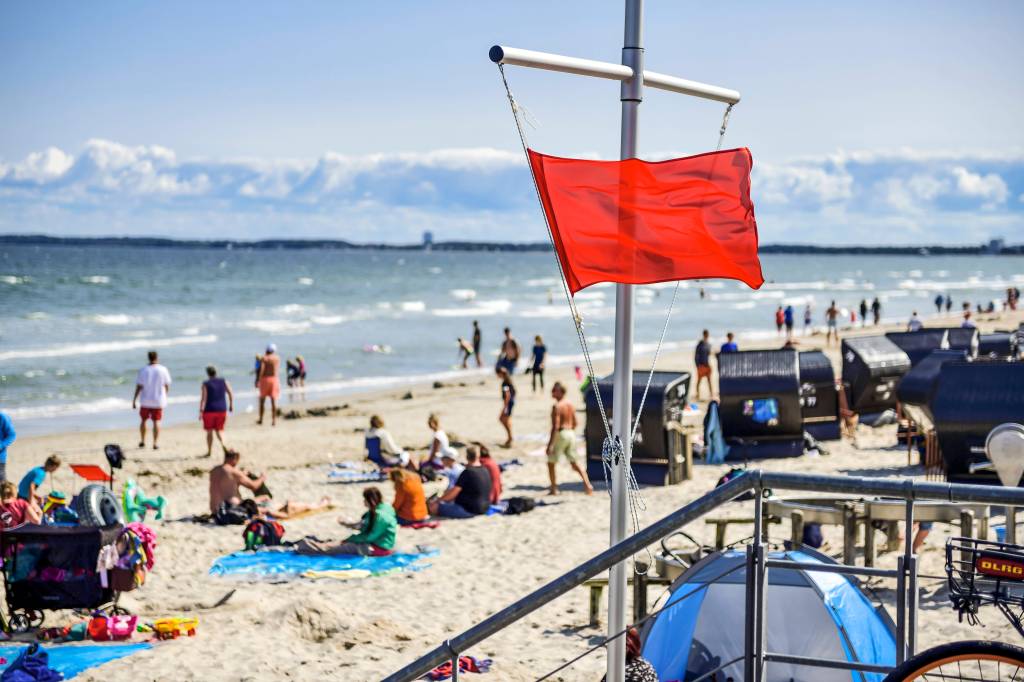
(631, 93)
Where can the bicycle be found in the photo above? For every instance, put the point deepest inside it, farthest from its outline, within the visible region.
(979, 573)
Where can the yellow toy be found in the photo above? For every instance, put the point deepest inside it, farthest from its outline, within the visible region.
(172, 628)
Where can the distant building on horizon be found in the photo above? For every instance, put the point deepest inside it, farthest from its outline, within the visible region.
(428, 240)
(996, 245)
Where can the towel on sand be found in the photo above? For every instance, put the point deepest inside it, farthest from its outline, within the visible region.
(288, 564)
(70, 660)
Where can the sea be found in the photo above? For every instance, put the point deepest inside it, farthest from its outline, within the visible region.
(76, 322)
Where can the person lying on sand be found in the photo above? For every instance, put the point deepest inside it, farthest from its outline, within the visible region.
(376, 537)
(227, 479)
(289, 510)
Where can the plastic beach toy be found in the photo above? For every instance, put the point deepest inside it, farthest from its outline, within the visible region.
(136, 503)
(172, 628)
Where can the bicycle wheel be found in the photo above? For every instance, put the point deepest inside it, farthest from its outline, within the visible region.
(974, 660)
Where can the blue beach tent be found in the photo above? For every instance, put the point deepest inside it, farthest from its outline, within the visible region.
(813, 614)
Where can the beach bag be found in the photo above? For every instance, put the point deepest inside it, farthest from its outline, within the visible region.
(262, 533)
(731, 474)
(520, 505)
(230, 515)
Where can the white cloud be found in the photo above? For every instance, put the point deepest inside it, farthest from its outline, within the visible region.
(989, 187)
(482, 193)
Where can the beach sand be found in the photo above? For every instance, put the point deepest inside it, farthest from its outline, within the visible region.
(364, 629)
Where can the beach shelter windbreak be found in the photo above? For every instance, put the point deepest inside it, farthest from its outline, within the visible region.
(641, 222)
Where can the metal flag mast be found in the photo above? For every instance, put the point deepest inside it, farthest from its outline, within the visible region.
(633, 78)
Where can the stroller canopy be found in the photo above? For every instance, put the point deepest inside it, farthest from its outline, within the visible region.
(820, 615)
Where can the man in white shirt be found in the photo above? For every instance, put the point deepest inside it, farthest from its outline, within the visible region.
(151, 387)
(915, 323)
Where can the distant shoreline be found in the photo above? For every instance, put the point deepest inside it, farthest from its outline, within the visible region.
(342, 245)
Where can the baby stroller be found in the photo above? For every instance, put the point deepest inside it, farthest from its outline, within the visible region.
(55, 567)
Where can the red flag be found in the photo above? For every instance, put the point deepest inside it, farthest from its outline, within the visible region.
(638, 222)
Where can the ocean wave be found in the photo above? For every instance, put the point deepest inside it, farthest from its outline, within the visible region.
(37, 315)
(478, 309)
(541, 282)
(14, 280)
(326, 320)
(284, 327)
(305, 281)
(463, 294)
(112, 319)
(972, 282)
(413, 306)
(103, 347)
(94, 279)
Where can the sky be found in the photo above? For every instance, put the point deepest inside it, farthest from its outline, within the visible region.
(869, 122)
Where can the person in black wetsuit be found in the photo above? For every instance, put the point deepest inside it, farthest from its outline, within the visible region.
(540, 351)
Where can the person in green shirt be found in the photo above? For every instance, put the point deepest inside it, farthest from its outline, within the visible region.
(376, 536)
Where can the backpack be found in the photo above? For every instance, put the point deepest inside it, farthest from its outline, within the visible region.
(262, 533)
(520, 505)
(230, 515)
(731, 474)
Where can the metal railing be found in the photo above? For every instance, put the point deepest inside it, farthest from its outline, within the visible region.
(758, 564)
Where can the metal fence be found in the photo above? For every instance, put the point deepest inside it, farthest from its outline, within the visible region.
(757, 565)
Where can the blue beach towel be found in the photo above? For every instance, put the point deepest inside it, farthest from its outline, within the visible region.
(292, 565)
(714, 441)
(70, 660)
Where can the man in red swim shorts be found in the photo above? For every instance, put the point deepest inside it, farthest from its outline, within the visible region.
(151, 387)
(268, 383)
(215, 401)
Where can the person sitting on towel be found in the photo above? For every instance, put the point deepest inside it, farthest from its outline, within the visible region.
(227, 479)
(451, 468)
(376, 536)
(493, 468)
(392, 455)
(410, 501)
(439, 445)
(471, 494)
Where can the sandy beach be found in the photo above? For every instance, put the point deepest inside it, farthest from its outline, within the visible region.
(364, 629)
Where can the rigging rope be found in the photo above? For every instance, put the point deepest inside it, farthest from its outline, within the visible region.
(612, 450)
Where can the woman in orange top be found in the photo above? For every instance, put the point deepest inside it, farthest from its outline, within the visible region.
(410, 501)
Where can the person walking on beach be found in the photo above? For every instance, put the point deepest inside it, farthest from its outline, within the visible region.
(780, 319)
(863, 312)
(268, 383)
(949, 303)
(28, 488)
(807, 319)
(508, 402)
(832, 321)
(730, 345)
(476, 343)
(915, 323)
(215, 401)
(562, 440)
(939, 298)
(788, 317)
(7, 436)
(876, 311)
(151, 387)
(702, 359)
(540, 351)
(510, 352)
